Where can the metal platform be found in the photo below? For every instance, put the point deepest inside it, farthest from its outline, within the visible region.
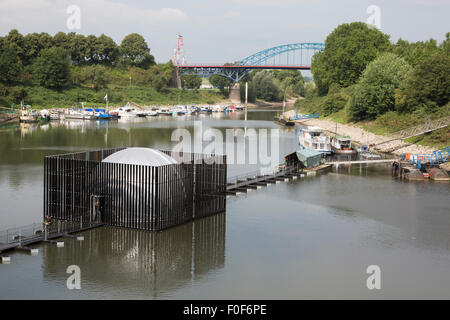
(362, 161)
(254, 180)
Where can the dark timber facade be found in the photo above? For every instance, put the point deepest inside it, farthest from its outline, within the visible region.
(79, 187)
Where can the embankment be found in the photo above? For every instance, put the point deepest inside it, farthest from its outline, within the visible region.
(362, 136)
(8, 117)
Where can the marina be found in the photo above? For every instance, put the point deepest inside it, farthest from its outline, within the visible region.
(244, 193)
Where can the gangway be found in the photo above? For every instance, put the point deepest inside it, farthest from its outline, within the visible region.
(429, 126)
(252, 180)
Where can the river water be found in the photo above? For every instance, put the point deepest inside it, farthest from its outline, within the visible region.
(310, 238)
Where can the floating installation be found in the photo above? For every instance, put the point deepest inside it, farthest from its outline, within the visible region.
(136, 188)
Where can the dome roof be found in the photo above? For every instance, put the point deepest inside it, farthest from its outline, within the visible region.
(140, 156)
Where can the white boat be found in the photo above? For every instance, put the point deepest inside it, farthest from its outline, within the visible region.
(73, 114)
(164, 111)
(182, 110)
(89, 114)
(342, 145)
(125, 112)
(54, 115)
(314, 138)
(366, 152)
(150, 113)
(218, 108)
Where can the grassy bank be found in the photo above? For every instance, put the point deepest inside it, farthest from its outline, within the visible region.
(385, 124)
(39, 97)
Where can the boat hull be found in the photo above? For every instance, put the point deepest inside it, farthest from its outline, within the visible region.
(28, 119)
(346, 152)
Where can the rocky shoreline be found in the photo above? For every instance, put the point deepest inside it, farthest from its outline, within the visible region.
(8, 117)
(362, 136)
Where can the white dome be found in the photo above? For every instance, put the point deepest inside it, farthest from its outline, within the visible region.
(140, 156)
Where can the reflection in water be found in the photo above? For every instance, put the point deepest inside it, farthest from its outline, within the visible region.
(147, 262)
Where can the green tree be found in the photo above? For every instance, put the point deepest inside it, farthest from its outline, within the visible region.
(191, 81)
(310, 89)
(33, 43)
(375, 92)
(15, 40)
(267, 86)
(17, 94)
(78, 48)
(428, 87)
(348, 50)
(10, 64)
(251, 93)
(220, 82)
(135, 51)
(414, 53)
(292, 80)
(96, 75)
(52, 68)
(106, 50)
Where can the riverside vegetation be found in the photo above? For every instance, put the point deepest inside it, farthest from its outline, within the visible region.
(362, 78)
(65, 69)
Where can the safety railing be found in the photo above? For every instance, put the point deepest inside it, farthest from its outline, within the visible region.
(36, 232)
(16, 235)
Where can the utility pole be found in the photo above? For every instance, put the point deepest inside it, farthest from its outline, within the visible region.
(246, 99)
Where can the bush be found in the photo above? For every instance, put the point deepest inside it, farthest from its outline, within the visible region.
(376, 90)
(334, 102)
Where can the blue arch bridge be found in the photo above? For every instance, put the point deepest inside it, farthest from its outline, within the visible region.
(294, 56)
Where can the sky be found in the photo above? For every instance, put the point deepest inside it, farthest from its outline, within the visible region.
(226, 30)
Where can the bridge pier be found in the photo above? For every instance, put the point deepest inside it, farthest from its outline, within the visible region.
(175, 82)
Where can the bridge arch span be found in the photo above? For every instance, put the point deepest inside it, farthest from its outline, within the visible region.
(264, 56)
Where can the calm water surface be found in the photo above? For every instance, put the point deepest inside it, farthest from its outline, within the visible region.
(310, 238)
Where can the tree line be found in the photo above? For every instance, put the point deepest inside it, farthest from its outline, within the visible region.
(68, 59)
(365, 74)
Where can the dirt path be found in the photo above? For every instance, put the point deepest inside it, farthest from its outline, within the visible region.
(271, 105)
(362, 136)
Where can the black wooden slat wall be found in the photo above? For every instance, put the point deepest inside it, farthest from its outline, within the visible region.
(135, 196)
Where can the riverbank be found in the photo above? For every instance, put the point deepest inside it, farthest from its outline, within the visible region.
(361, 136)
(6, 118)
(260, 104)
(43, 98)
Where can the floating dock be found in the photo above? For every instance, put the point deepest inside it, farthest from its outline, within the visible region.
(255, 181)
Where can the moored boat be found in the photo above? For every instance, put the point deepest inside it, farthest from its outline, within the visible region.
(54, 115)
(366, 153)
(125, 112)
(164, 111)
(314, 137)
(342, 145)
(283, 121)
(101, 114)
(27, 115)
(73, 114)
